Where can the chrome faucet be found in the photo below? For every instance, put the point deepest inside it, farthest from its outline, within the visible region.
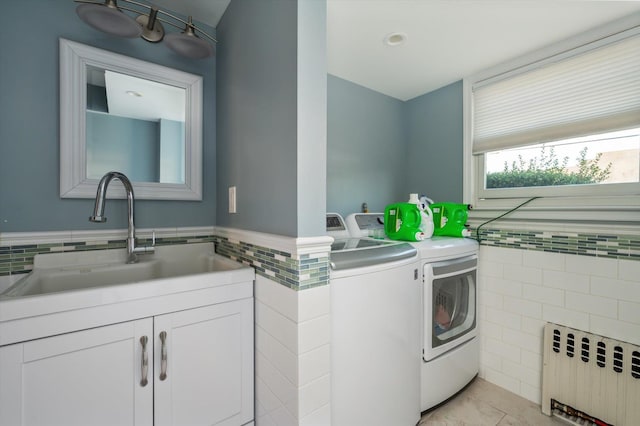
(98, 213)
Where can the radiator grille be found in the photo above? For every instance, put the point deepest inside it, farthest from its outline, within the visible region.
(592, 374)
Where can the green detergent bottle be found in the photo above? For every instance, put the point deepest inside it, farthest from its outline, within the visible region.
(402, 222)
(450, 218)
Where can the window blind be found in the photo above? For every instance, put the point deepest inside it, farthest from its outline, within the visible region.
(582, 94)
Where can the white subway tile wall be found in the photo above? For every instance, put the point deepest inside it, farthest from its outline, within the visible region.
(520, 290)
(629, 271)
(293, 363)
(629, 312)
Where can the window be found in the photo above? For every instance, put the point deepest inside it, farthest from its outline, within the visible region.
(604, 159)
(562, 124)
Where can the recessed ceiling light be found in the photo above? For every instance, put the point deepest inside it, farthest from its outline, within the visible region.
(395, 39)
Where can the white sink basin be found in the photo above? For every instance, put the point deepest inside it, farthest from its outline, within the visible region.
(60, 272)
(53, 280)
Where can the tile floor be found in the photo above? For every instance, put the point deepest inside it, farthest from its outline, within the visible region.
(483, 403)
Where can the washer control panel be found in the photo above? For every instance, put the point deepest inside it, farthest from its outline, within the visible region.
(336, 227)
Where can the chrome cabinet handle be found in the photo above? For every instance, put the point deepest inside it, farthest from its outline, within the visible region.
(145, 361)
(163, 355)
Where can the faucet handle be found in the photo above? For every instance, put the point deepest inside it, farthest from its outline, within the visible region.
(146, 249)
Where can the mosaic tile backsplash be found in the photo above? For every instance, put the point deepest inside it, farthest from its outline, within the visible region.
(302, 273)
(308, 271)
(612, 246)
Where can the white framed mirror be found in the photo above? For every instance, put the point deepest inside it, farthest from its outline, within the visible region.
(124, 114)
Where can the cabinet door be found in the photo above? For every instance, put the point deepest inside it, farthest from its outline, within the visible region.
(209, 366)
(89, 377)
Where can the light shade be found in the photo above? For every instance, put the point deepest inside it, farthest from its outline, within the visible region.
(109, 19)
(187, 44)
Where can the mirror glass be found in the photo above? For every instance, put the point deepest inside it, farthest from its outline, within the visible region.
(135, 126)
(135, 117)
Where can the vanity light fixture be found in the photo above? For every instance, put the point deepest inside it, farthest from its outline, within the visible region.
(108, 17)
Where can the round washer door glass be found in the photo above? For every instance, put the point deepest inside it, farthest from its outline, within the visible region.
(453, 307)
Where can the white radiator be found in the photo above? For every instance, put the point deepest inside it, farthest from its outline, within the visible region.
(590, 379)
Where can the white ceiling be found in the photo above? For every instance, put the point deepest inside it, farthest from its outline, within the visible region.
(143, 99)
(446, 39)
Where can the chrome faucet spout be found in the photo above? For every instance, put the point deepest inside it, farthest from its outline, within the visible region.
(98, 212)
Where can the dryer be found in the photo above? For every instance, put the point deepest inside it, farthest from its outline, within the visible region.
(449, 343)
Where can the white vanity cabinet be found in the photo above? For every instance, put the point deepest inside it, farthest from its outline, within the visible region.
(208, 367)
(201, 374)
(86, 377)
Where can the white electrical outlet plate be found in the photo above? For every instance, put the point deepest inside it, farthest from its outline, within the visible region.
(232, 199)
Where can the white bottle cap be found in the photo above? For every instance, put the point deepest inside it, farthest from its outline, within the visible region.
(413, 198)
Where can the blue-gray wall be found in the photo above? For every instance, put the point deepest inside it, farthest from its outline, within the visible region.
(366, 148)
(257, 115)
(265, 136)
(381, 149)
(172, 151)
(434, 144)
(128, 145)
(29, 123)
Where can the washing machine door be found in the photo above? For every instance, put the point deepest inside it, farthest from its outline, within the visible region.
(450, 305)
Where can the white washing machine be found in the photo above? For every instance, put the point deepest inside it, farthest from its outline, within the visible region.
(375, 330)
(449, 343)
